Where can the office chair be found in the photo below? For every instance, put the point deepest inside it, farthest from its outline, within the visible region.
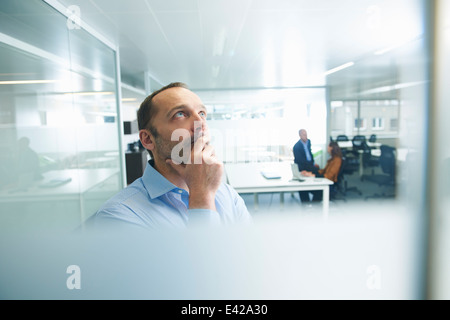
(357, 143)
(387, 178)
(348, 167)
(342, 137)
(368, 159)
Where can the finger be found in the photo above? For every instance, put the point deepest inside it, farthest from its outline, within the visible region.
(209, 155)
(206, 136)
(209, 151)
(197, 150)
(199, 144)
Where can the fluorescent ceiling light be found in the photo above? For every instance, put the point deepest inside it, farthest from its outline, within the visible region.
(90, 93)
(383, 51)
(341, 67)
(27, 81)
(105, 113)
(395, 46)
(387, 49)
(393, 87)
(123, 100)
(17, 74)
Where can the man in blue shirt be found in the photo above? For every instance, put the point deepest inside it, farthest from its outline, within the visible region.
(304, 158)
(182, 183)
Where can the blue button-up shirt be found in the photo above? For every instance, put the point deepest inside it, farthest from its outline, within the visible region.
(153, 201)
(305, 147)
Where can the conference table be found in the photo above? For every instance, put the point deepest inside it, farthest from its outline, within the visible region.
(349, 144)
(248, 178)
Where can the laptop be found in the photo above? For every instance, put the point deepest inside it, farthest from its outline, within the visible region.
(270, 175)
(296, 175)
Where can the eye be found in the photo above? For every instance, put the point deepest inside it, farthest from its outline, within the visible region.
(202, 113)
(179, 114)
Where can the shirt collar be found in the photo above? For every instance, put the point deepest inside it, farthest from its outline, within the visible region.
(155, 183)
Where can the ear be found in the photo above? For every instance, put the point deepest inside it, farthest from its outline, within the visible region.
(147, 140)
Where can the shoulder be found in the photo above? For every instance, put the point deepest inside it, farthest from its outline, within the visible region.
(227, 191)
(335, 161)
(136, 189)
(122, 205)
(231, 206)
(299, 145)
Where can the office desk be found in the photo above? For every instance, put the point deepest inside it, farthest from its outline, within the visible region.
(78, 191)
(247, 178)
(79, 182)
(349, 144)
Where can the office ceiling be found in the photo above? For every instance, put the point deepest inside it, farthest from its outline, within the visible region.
(218, 44)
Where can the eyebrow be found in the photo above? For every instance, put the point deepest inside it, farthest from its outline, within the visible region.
(182, 107)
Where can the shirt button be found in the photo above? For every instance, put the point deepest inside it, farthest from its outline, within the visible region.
(180, 191)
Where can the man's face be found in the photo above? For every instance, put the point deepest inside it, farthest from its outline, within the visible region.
(303, 135)
(177, 108)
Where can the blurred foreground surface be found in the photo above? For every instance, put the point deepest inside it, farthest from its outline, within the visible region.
(369, 253)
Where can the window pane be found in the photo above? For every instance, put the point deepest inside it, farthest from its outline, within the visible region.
(342, 117)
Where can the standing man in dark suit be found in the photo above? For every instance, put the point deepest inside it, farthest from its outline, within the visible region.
(304, 158)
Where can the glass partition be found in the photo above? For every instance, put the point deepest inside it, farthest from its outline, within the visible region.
(365, 117)
(246, 123)
(59, 120)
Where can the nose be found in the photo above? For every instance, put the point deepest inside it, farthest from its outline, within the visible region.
(198, 123)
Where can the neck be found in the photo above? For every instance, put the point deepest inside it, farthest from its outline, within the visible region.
(169, 173)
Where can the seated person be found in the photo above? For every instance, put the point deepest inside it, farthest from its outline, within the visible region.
(331, 170)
